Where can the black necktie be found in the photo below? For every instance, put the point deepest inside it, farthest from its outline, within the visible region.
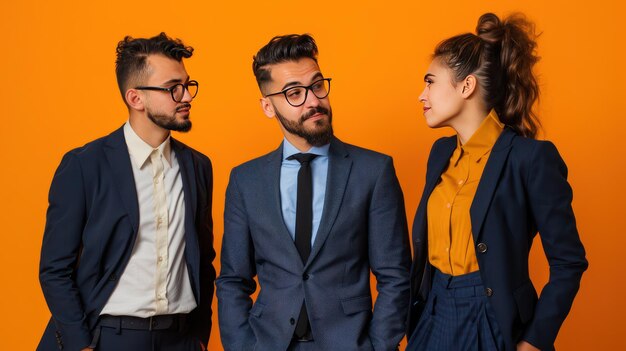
(304, 226)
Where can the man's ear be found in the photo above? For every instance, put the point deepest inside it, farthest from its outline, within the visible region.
(134, 99)
(267, 107)
(468, 86)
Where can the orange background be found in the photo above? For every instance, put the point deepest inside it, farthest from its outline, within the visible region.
(59, 92)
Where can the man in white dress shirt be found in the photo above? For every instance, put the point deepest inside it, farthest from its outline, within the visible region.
(126, 260)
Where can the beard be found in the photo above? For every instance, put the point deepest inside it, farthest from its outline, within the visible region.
(169, 122)
(318, 136)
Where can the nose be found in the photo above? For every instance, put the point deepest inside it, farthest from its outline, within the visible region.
(311, 100)
(186, 95)
(422, 96)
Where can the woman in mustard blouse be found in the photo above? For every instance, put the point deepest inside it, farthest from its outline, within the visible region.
(489, 190)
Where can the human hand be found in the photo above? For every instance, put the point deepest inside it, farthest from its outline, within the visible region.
(525, 346)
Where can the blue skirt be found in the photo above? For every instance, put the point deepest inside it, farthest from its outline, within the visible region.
(457, 317)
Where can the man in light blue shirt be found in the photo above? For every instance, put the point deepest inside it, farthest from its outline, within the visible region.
(311, 220)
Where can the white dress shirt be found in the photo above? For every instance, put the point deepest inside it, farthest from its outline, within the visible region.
(156, 280)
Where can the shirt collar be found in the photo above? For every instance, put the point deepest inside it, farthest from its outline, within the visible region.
(140, 150)
(483, 139)
(289, 149)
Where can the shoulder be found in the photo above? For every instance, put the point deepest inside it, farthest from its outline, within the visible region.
(198, 156)
(259, 162)
(90, 152)
(363, 155)
(531, 149)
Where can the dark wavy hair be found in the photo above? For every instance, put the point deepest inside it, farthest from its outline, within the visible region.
(282, 48)
(501, 56)
(132, 53)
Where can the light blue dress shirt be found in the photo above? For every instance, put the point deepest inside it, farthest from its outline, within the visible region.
(289, 185)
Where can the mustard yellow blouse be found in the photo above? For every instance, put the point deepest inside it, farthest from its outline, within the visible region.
(450, 241)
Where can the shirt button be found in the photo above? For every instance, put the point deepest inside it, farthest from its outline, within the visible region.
(488, 292)
(156, 180)
(160, 258)
(447, 249)
(460, 182)
(448, 205)
(292, 321)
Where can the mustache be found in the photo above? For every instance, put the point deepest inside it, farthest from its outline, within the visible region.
(185, 105)
(314, 111)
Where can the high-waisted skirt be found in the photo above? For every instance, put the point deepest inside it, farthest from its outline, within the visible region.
(457, 317)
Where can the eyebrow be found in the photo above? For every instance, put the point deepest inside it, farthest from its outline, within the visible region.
(428, 75)
(296, 83)
(175, 80)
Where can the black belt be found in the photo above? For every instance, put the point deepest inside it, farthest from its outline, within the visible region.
(160, 322)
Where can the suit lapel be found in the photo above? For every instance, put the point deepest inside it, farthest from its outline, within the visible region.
(188, 178)
(339, 165)
(489, 181)
(272, 191)
(439, 164)
(118, 158)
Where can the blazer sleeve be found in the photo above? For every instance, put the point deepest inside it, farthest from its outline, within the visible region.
(236, 281)
(390, 260)
(203, 314)
(60, 250)
(550, 198)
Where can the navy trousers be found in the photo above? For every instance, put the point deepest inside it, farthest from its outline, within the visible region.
(457, 317)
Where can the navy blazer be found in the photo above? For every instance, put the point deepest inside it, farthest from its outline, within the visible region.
(523, 190)
(91, 226)
(363, 227)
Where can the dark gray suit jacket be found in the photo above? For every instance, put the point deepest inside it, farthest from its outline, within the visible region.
(363, 228)
(91, 226)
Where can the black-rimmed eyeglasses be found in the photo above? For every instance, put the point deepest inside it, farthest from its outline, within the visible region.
(296, 95)
(177, 91)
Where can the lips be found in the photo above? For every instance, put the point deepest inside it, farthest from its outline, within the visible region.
(426, 109)
(183, 108)
(317, 115)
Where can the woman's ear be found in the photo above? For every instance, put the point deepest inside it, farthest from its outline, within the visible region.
(468, 86)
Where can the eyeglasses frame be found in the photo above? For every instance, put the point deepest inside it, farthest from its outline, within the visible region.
(172, 88)
(306, 91)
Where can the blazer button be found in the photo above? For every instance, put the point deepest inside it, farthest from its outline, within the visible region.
(113, 277)
(488, 291)
(292, 321)
(305, 277)
(482, 247)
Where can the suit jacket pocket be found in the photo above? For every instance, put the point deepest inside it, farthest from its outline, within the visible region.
(257, 309)
(356, 304)
(526, 299)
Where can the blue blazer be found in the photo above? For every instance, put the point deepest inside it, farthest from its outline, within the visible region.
(91, 226)
(523, 190)
(363, 227)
